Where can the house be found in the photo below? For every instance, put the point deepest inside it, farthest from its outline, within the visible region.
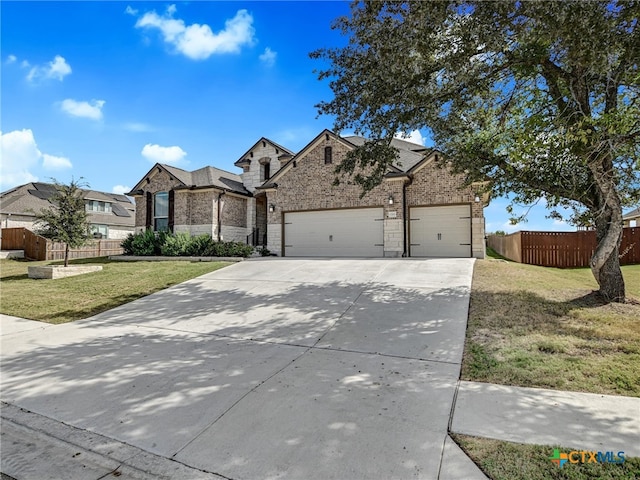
(632, 218)
(111, 215)
(288, 202)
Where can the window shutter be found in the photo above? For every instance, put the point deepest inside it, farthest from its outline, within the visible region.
(149, 219)
(171, 205)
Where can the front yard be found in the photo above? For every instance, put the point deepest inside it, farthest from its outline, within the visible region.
(73, 298)
(543, 327)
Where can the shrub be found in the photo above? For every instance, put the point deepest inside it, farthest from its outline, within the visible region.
(145, 243)
(149, 243)
(176, 245)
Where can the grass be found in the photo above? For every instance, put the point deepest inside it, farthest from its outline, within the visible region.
(545, 327)
(513, 461)
(72, 298)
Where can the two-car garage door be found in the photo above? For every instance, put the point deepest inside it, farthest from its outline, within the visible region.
(443, 231)
(354, 232)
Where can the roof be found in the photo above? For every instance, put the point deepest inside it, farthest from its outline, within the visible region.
(205, 177)
(632, 214)
(242, 158)
(410, 153)
(32, 197)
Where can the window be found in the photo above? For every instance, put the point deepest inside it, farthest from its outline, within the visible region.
(100, 231)
(161, 211)
(328, 155)
(96, 206)
(266, 171)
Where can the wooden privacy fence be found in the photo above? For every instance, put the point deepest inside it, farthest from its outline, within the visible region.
(37, 247)
(561, 249)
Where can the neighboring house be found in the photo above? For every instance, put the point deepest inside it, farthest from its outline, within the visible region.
(111, 215)
(289, 203)
(632, 219)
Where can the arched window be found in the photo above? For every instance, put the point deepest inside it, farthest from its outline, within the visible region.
(161, 211)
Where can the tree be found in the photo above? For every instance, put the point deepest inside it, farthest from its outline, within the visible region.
(67, 220)
(538, 98)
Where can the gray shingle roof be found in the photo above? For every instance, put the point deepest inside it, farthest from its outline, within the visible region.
(209, 177)
(410, 153)
(632, 214)
(33, 197)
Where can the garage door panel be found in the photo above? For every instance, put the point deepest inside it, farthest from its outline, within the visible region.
(443, 231)
(334, 233)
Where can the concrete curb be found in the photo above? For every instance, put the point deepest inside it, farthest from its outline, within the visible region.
(78, 454)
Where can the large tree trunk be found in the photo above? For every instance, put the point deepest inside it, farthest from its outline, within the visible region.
(66, 254)
(605, 262)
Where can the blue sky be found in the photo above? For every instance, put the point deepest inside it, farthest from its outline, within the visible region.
(103, 90)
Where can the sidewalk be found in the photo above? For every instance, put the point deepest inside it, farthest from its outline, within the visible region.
(584, 421)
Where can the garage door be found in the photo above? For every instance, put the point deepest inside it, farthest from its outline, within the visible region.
(334, 233)
(440, 231)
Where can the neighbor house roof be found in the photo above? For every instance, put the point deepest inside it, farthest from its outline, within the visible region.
(31, 198)
(632, 214)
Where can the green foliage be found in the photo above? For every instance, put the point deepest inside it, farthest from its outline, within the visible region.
(264, 251)
(145, 243)
(538, 100)
(525, 94)
(66, 221)
(149, 243)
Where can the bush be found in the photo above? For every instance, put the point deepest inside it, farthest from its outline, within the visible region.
(176, 245)
(150, 243)
(145, 243)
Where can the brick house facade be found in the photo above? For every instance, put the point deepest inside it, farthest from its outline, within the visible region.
(289, 203)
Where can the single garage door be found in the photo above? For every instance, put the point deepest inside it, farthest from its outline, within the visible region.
(334, 233)
(440, 231)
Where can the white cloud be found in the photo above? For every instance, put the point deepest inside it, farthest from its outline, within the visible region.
(51, 162)
(20, 155)
(91, 110)
(25, 64)
(56, 69)
(131, 11)
(413, 137)
(11, 59)
(120, 189)
(199, 42)
(137, 127)
(269, 57)
(156, 153)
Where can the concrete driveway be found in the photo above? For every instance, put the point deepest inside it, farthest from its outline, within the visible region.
(270, 368)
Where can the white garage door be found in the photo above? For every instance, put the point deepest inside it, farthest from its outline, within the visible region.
(334, 233)
(440, 231)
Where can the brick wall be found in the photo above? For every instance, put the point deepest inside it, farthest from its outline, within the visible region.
(158, 181)
(437, 186)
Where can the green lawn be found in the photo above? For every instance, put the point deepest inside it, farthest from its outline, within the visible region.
(513, 461)
(544, 327)
(73, 298)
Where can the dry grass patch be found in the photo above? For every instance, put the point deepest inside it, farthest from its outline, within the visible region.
(73, 298)
(545, 327)
(514, 461)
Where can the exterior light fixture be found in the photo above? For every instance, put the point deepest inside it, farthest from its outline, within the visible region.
(477, 199)
(390, 199)
(272, 208)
